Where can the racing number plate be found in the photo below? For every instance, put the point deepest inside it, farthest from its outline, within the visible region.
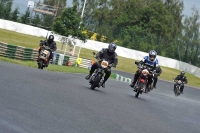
(46, 52)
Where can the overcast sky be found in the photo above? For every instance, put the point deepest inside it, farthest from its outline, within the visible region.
(188, 4)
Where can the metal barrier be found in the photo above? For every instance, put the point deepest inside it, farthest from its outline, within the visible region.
(22, 53)
(17, 52)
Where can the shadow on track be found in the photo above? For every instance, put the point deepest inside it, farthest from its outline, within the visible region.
(98, 90)
(139, 98)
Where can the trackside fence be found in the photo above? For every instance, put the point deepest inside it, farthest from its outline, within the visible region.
(23, 53)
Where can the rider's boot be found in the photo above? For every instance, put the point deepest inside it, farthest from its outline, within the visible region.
(104, 81)
(181, 90)
(148, 87)
(88, 76)
(103, 84)
(154, 86)
(132, 84)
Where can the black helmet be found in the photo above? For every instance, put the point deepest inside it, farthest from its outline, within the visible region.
(112, 47)
(51, 39)
(152, 55)
(182, 73)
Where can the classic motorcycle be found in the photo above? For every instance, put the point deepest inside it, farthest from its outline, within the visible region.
(177, 90)
(97, 77)
(140, 86)
(43, 57)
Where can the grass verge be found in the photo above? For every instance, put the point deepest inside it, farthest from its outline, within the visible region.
(51, 67)
(125, 64)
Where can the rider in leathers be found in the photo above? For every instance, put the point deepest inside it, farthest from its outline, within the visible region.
(108, 54)
(155, 78)
(183, 80)
(150, 61)
(51, 44)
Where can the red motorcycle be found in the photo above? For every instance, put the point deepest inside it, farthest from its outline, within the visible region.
(43, 58)
(140, 86)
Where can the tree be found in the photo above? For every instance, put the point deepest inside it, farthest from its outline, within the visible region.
(25, 18)
(14, 14)
(48, 20)
(5, 8)
(68, 23)
(191, 36)
(36, 20)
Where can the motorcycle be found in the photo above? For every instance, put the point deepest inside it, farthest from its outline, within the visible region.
(97, 77)
(43, 57)
(140, 86)
(177, 90)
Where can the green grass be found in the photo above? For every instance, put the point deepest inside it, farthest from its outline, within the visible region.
(128, 65)
(51, 67)
(125, 64)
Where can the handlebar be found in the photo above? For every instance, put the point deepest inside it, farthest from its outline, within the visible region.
(178, 80)
(46, 47)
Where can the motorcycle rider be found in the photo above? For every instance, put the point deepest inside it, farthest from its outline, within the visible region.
(183, 79)
(108, 54)
(150, 61)
(155, 77)
(51, 44)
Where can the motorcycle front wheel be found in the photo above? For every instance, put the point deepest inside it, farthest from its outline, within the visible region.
(40, 64)
(138, 89)
(96, 81)
(177, 92)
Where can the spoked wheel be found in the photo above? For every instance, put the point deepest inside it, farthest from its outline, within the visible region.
(96, 81)
(40, 64)
(138, 90)
(177, 92)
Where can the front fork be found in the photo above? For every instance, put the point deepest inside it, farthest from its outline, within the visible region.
(93, 77)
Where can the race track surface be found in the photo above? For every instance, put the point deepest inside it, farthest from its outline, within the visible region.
(40, 101)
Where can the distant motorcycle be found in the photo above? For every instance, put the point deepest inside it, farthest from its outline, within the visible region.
(177, 90)
(140, 86)
(98, 76)
(43, 57)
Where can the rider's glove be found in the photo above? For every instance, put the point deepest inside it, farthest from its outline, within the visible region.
(139, 66)
(100, 60)
(110, 65)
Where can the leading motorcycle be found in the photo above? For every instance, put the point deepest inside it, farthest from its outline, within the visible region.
(43, 57)
(97, 77)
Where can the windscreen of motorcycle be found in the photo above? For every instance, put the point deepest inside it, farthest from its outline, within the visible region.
(104, 64)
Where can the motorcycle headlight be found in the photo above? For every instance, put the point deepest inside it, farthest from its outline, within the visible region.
(104, 64)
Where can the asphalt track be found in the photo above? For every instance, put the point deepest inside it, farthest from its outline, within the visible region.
(39, 101)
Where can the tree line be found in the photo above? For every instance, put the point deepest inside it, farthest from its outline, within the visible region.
(29, 17)
(136, 24)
